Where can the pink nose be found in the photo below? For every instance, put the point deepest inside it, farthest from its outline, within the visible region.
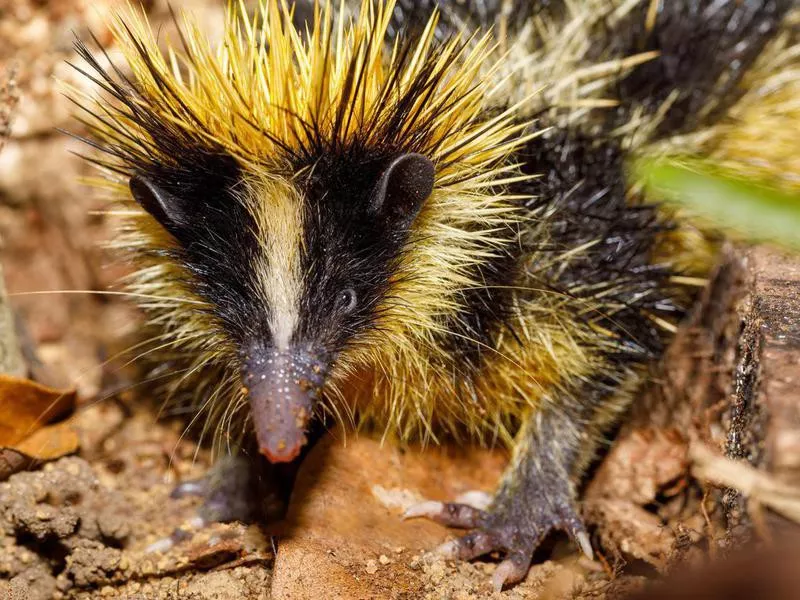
(284, 453)
(282, 389)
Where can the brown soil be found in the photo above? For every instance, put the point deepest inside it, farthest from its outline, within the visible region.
(80, 527)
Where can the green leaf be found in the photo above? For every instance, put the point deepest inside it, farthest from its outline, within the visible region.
(752, 210)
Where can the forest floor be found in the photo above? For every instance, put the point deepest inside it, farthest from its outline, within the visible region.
(82, 521)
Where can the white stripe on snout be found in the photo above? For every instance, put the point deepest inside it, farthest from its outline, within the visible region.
(278, 211)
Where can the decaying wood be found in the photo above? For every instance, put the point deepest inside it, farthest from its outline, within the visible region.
(730, 383)
(9, 97)
(11, 361)
(764, 413)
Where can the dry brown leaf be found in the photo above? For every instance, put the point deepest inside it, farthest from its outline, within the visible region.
(631, 530)
(642, 465)
(26, 406)
(50, 442)
(12, 462)
(206, 556)
(26, 438)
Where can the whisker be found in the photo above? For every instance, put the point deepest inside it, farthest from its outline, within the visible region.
(191, 423)
(93, 368)
(109, 293)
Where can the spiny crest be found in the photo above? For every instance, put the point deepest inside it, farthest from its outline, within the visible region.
(278, 101)
(268, 94)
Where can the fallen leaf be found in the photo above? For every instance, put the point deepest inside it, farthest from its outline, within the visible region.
(26, 436)
(50, 442)
(643, 465)
(631, 530)
(12, 462)
(26, 406)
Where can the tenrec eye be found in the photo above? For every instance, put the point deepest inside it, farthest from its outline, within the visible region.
(348, 300)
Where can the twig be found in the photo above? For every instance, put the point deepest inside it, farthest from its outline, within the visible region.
(756, 485)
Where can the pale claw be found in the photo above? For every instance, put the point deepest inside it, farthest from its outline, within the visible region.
(194, 487)
(449, 514)
(476, 499)
(180, 534)
(429, 509)
(448, 550)
(511, 570)
(585, 545)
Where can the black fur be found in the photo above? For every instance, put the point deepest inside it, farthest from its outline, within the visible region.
(613, 283)
(705, 46)
(578, 198)
(348, 247)
(581, 195)
(411, 16)
(351, 244)
(705, 49)
(216, 241)
(487, 306)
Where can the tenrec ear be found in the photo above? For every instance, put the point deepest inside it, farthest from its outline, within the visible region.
(166, 208)
(402, 188)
